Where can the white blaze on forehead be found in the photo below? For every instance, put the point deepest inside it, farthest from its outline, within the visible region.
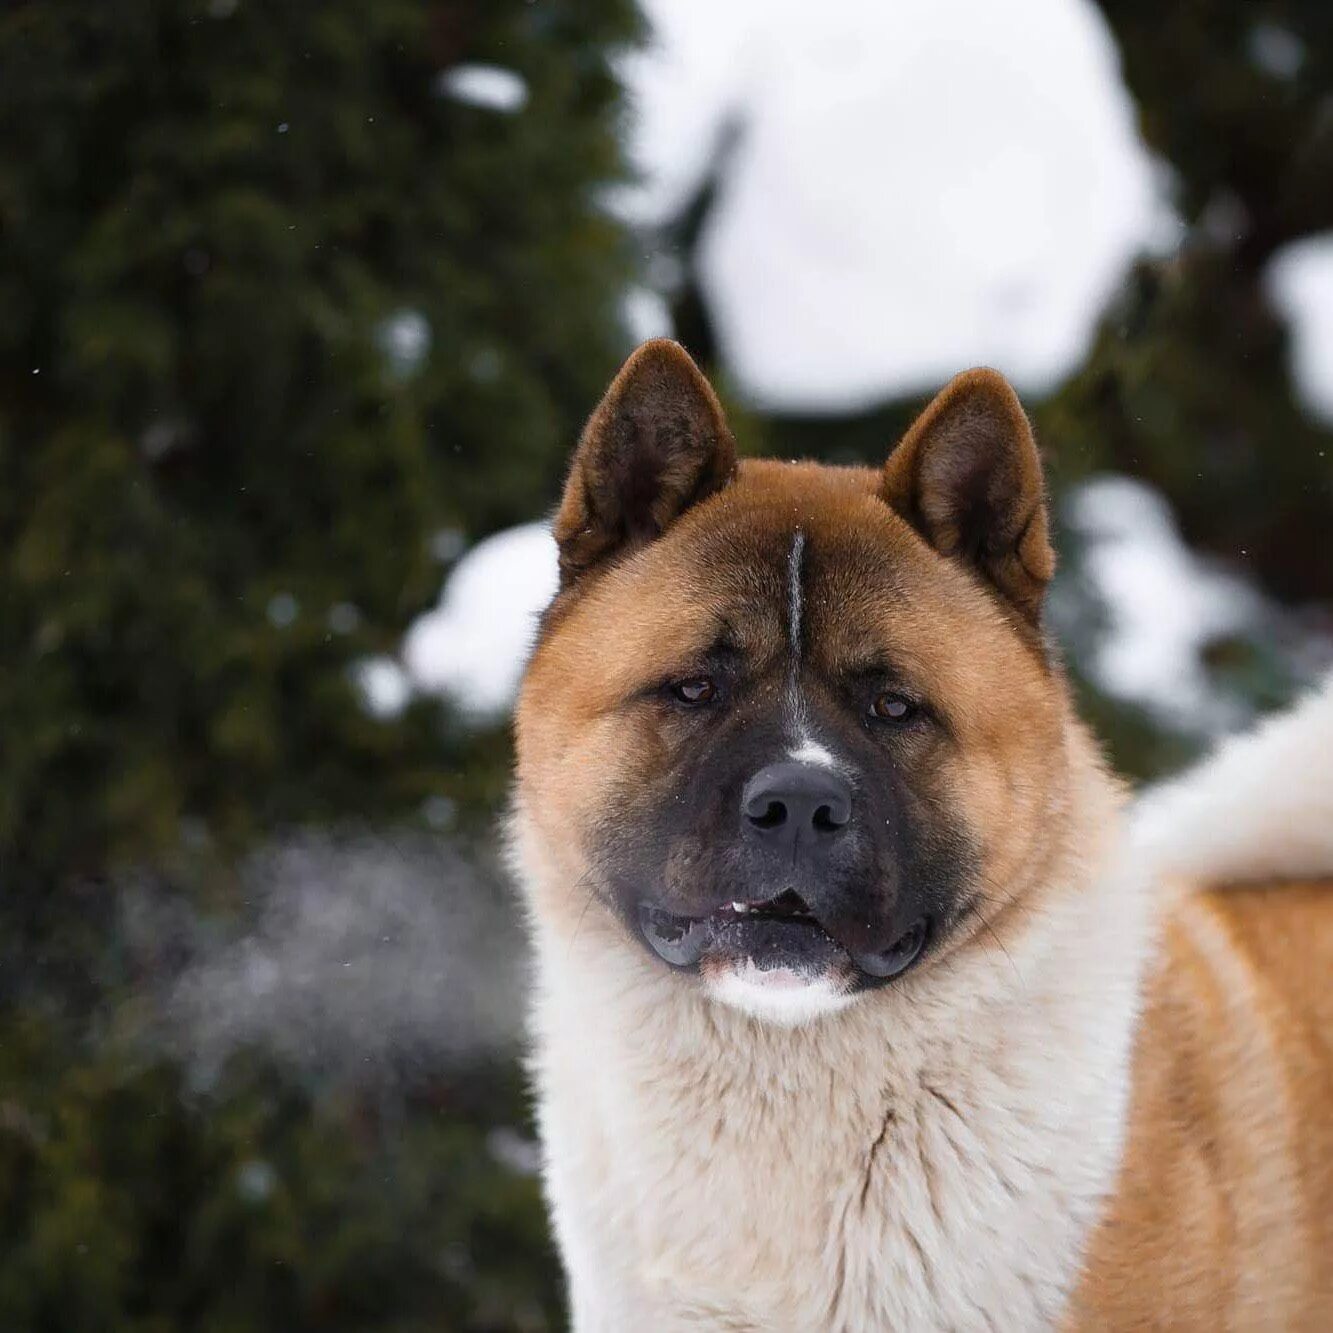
(794, 603)
(778, 995)
(806, 749)
(811, 752)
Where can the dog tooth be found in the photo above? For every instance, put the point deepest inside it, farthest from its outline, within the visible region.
(739, 907)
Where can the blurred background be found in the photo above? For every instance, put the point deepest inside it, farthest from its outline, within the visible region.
(301, 309)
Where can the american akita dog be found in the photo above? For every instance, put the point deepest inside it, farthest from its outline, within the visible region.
(858, 1006)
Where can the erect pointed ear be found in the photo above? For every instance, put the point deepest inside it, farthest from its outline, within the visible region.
(657, 444)
(967, 477)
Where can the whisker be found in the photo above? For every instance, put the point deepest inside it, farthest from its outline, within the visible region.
(974, 906)
(587, 903)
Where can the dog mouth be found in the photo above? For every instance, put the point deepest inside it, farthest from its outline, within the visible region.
(778, 932)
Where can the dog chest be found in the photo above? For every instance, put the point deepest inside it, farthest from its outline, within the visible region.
(727, 1202)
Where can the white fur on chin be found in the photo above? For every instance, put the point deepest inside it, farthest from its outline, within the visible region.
(777, 995)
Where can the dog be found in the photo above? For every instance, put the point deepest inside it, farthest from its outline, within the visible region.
(862, 999)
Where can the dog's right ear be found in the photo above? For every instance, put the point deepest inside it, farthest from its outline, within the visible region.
(657, 444)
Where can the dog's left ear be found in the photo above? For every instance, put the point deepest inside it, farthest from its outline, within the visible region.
(657, 444)
(968, 478)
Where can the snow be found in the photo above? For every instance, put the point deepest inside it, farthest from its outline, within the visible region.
(490, 87)
(904, 189)
(472, 648)
(404, 338)
(1163, 604)
(517, 1152)
(385, 688)
(1276, 50)
(255, 1181)
(1300, 284)
(646, 315)
(282, 610)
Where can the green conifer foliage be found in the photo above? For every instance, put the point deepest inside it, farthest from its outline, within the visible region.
(281, 300)
(278, 306)
(1188, 385)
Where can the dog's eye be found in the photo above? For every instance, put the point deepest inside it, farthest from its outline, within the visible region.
(695, 690)
(892, 707)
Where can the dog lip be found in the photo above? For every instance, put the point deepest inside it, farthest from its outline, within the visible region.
(682, 940)
(884, 964)
(678, 940)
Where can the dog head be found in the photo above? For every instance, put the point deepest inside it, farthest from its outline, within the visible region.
(791, 728)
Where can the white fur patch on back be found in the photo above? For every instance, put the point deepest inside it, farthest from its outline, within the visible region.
(777, 995)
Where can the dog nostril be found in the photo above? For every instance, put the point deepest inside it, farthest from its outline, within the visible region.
(773, 814)
(789, 804)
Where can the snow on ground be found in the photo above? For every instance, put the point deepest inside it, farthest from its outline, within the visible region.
(472, 648)
(1163, 604)
(904, 189)
(1300, 283)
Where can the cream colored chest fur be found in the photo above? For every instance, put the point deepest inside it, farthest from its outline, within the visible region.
(931, 1158)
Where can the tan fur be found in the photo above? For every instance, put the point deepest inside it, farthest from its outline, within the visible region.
(1223, 1215)
(648, 616)
(656, 443)
(934, 481)
(1104, 1102)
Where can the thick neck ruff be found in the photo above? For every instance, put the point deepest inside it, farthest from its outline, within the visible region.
(933, 1156)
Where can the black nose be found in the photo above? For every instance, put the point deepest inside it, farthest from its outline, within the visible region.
(790, 801)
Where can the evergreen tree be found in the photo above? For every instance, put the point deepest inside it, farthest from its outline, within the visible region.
(281, 302)
(1188, 385)
(289, 291)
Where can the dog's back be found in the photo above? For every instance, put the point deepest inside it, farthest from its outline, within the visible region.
(1223, 1214)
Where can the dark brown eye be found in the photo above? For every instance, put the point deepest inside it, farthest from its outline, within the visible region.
(892, 707)
(696, 690)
